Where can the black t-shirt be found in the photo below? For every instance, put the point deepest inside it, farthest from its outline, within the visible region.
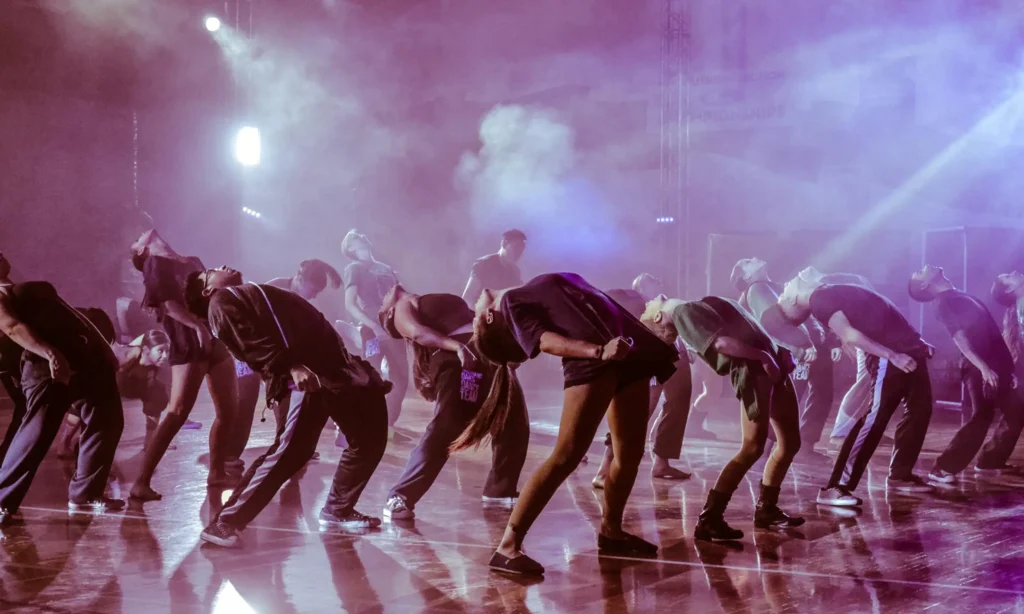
(870, 313)
(446, 313)
(372, 280)
(495, 274)
(959, 311)
(37, 304)
(701, 323)
(566, 304)
(164, 279)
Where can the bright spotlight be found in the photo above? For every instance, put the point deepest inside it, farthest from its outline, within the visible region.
(252, 212)
(247, 146)
(212, 24)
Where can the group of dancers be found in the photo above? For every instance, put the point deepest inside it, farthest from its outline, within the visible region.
(621, 351)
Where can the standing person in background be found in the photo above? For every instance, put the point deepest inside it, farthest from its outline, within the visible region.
(986, 367)
(366, 282)
(195, 356)
(65, 361)
(310, 280)
(497, 271)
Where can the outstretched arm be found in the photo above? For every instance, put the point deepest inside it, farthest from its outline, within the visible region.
(412, 327)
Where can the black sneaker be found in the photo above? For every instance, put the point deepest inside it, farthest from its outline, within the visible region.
(221, 534)
(716, 530)
(8, 518)
(629, 545)
(911, 483)
(521, 565)
(770, 516)
(97, 506)
(349, 520)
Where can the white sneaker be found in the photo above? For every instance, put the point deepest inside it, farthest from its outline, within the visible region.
(396, 509)
(910, 483)
(837, 496)
(941, 477)
(504, 503)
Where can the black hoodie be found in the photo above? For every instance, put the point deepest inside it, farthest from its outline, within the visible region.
(273, 330)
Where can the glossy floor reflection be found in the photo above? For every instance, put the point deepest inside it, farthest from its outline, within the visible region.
(958, 550)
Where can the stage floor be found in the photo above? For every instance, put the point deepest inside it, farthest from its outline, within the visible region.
(958, 550)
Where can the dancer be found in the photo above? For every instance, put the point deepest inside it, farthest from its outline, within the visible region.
(608, 359)
(670, 427)
(65, 361)
(986, 369)
(896, 361)
(366, 282)
(10, 370)
(195, 356)
(731, 342)
(808, 343)
(310, 280)
(702, 379)
(139, 362)
(305, 365)
(439, 327)
(497, 271)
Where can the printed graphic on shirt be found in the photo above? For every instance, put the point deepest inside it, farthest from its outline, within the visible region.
(470, 389)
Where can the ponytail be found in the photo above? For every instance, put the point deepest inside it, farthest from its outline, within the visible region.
(505, 395)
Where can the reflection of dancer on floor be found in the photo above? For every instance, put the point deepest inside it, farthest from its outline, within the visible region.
(310, 280)
(670, 426)
(608, 359)
(986, 367)
(897, 362)
(65, 361)
(439, 327)
(725, 336)
(304, 363)
(195, 356)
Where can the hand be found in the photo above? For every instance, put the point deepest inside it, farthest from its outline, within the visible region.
(1013, 382)
(467, 358)
(691, 356)
(616, 349)
(837, 354)
(60, 370)
(305, 380)
(205, 339)
(771, 369)
(903, 362)
(810, 354)
(991, 379)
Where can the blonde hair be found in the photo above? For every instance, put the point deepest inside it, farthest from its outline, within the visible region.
(351, 237)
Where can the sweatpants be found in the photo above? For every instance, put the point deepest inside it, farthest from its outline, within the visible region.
(452, 414)
(817, 400)
(94, 391)
(397, 353)
(890, 387)
(669, 427)
(360, 413)
(969, 439)
(856, 401)
(12, 386)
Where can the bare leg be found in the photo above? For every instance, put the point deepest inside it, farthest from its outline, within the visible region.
(185, 382)
(221, 382)
(628, 424)
(582, 410)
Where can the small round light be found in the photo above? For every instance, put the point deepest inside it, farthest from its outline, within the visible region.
(212, 24)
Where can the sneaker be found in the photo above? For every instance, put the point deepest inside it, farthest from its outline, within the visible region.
(349, 520)
(394, 509)
(769, 516)
(838, 496)
(716, 529)
(8, 518)
(221, 534)
(911, 483)
(598, 482)
(1010, 470)
(192, 425)
(504, 503)
(98, 506)
(941, 477)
